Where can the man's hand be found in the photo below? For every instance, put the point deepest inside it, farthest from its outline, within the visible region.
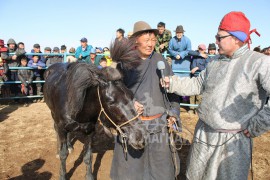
(161, 46)
(204, 55)
(194, 70)
(80, 57)
(171, 120)
(165, 82)
(178, 56)
(39, 67)
(14, 57)
(246, 133)
(138, 107)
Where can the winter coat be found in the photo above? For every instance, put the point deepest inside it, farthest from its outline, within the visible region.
(35, 67)
(53, 60)
(180, 47)
(3, 72)
(198, 61)
(85, 53)
(25, 75)
(41, 57)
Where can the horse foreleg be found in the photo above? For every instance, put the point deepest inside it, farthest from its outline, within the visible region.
(88, 157)
(69, 145)
(63, 154)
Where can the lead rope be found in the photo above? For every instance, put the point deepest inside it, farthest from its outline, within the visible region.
(251, 146)
(123, 136)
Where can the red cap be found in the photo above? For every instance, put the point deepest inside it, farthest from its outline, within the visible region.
(202, 46)
(235, 21)
(2, 42)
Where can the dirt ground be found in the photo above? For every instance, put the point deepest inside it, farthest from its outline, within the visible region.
(28, 147)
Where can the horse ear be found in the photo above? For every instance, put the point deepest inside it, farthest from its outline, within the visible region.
(111, 74)
(119, 66)
(101, 79)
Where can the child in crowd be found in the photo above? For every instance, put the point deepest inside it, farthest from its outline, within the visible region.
(37, 65)
(107, 55)
(199, 62)
(4, 88)
(102, 63)
(26, 77)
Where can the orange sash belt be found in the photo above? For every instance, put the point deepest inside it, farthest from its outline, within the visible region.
(149, 118)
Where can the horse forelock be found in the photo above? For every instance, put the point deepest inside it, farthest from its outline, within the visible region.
(125, 53)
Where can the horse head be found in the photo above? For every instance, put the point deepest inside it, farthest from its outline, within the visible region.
(118, 105)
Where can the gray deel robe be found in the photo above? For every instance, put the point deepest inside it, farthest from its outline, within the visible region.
(234, 93)
(155, 161)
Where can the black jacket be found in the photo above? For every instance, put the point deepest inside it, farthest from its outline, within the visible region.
(4, 72)
(25, 75)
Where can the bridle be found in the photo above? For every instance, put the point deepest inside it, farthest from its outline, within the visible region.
(118, 127)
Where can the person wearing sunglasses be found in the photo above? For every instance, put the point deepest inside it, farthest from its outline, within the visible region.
(234, 90)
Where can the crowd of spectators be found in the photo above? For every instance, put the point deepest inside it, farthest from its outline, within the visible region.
(178, 49)
(16, 56)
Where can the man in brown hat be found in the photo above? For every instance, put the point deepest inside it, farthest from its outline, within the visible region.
(179, 47)
(156, 160)
(234, 90)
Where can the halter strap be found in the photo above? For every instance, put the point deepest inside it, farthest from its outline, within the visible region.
(118, 127)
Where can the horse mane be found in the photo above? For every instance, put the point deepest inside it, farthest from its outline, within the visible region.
(124, 53)
(80, 76)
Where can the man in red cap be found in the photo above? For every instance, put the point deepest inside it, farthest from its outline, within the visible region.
(234, 89)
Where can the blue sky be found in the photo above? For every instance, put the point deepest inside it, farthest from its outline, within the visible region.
(56, 22)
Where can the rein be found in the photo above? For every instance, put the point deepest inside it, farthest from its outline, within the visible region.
(118, 127)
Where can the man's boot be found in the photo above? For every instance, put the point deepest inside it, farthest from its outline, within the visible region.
(39, 91)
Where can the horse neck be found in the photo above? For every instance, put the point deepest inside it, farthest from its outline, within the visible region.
(91, 107)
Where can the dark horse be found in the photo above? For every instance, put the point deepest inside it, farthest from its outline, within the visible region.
(79, 94)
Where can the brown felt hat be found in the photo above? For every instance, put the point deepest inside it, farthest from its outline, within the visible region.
(141, 27)
(179, 29)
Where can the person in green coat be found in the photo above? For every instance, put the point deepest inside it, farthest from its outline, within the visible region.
(94, 58)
